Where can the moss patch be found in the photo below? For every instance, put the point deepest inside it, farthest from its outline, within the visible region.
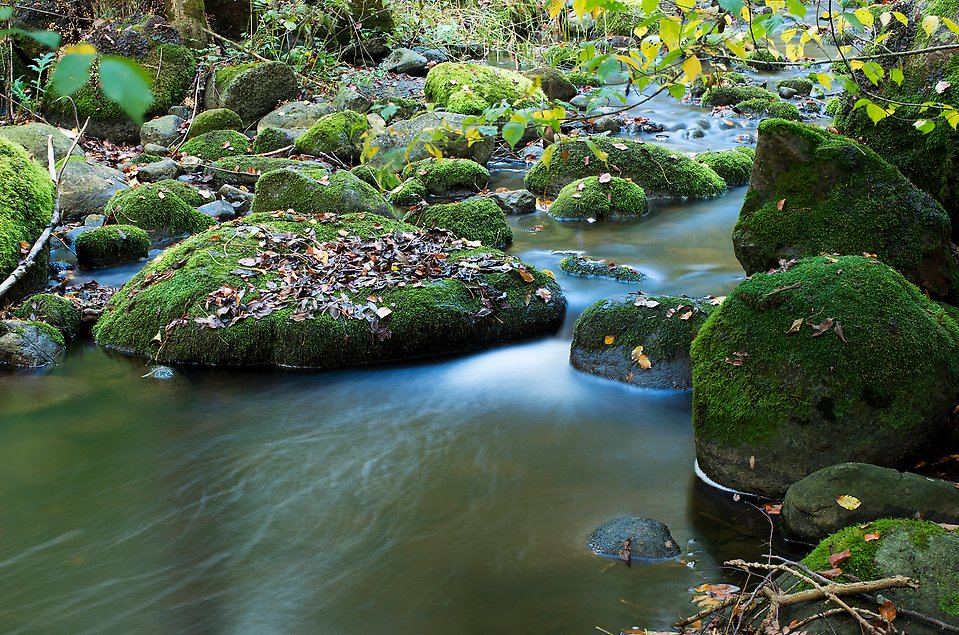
(215, 119)
(54, 310)
(732, 94)
(112, 244)
(151, 207)
(444, 177)
(186, 192)
(801, 85)
(217, 144)
(476, 218)
(765, 108)
(589, 268)
(470, 89)
(316, 192)
(734, 166)
(592, 198)
(339, 134)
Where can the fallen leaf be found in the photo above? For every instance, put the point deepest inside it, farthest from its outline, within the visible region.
(781, 204)
(525, 274)
(653, 303)
(870, 537)
(887, 610)
(837, 559)
(942, 86)
(839, 333)
(686, 315)
(383, 312)
(544, 294)
(822, 327)
(773, 510)
(948, 526)
(605, 177)
(609, 339)
(848, 502)
(796, 325)
(637, 356)
(831, 574)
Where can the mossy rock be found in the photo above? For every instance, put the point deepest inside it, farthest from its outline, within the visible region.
(599, 197)
(156, 209)
(28, 344)
(187, 193)
(916, 549)
(54, 310)
(448, 177)
(584, 267)
(813, 191)
(581, 79)
(441, 316)
(247, 170)
(273, 140)
(833, 104)
(397, 108)
(26, 206)
(607, 336)
(112, 245)
(339, 134)
(764, 60)
(659, 171)
(734, 166)
(409, 193)
(801, 85)
(553, 82)
(33, 137)
(766, 109)
(702, 83)
(316, 192)
(383, 179)
(215, 119)
(773, 401)
(732, 94)
(406, 141)
(251, 90)
(476, 218)
(469, 89)
(217, 144)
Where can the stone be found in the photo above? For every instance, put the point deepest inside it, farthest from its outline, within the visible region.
(787, 93)
(183, 112)
(448, 177)
(608, 124)
(339, 135)
(734, 166)
(241, 200)
(278, 142)
(470, 89)
(475, 218)
(247, 170)
(251, 90)
(158, 171)
(296, 114)
(650, 539)
(25, 344)
(348, 98)
(217, 144)
(220, 210)
(163, 131)
(155, 150)
(434, 55)
(405, 141)
(33, 137)
(594, 198)
(55, 310)
(111, 245)
(405, 61)
(87, 186)
(157, 208)
(515, 201)
(215, 119)
(552, 82)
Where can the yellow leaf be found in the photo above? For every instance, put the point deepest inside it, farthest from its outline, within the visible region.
(555, 6)
(692, 67)
(685, 5)
(848, 502)
(81, 49)
(637, 356)
(609, 339)
(669, 32)
(902, 18)
(579, 7)
(865, 16)
(930, 24)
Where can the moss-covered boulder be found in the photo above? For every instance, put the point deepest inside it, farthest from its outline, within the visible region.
(316, 192)
(407, 140)
(584, 267)
(251, 90)
(659, 171)
(339, 135)
(189, 194)
(215, 119)
(26, 206)
(112, 245)
(217, 144)
(553, 82)
(448, 177)
(153, 44)
(381, 179)
(55, 310)
(581, 79)
(277, 141)
(157, 209)
(638, 339)
(245, 170)
(33, 137)
(813, 191)
(802, 85)
(476, 218)
(831, 360)
(731, 94)
(765, 109)
(764, 60)
(916, 549)
(599, 197)
(294, 115)
(366, 290)
(734, 166)
(27, 344)
(469, 89)
(409, 193)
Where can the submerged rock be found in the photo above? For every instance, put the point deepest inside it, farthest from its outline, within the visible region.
(251, 90)
(641, 340)
(469, 89)
(732, 94)
(515, 201)
(26, 344)
(810, 511)
(589, 268)
(833, 360)
(596, 197)
(354, 300)
(649, 539)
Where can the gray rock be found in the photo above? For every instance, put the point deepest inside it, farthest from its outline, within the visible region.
(155, 149)
(412, 134)
(240, 200)
(70, 238)
(553, 82)
(650, 538)
(183, 112)
(810, 511)
(515, 201)
(405, 61)
(158, 170)
(87, 186)
(33, 137)
(296, 114)
(436, 56)
(95, 220)
(162, 131)
(253, 92)
(607, 124)
(349, 99)
(23, 344)
(695, 133)
(220, 210)
(787, 93)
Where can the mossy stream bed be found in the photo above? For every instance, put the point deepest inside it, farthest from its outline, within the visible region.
(447, 496)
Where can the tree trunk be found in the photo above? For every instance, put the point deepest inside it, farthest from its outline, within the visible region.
(188, 17)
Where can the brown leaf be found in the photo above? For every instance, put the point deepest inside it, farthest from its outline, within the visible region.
(831, 574)
(796, 325)
(637, 356)
(839, 333)
(605, 177)
(888, 611)
(686, 315)
(525, 274)
(870, 537)
(822, 327)
(773, 510)
(781, 204)
(837, 559)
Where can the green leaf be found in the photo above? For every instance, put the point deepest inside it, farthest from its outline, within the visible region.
(875, 112)
(796, 8)
(853, 21)
(601, 154)
(677, 91)
(873, 71)
(733, 6)
(72, 72)
(124, 82)
(6, 13)
(513, 133)
(895, 74)
(649, 6)
(925, 126)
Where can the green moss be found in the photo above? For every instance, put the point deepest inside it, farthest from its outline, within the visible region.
(561, 55)
(732, 94)
(225, 76)
(397, 108)
(581, 79)
(839, 197)
(760, 60)
(215, 119)
(590, 198)
(316, 192)
(26, 204)
(112, 244)
(443, 177)
(382, 179)
(47, 329)
(801, 85)
(769, 109)
(589, 268)
(151, 207)
(273, 140)
(949, 603)
(734, 166)
(439, 317)
(702, 83)
(475, 218)
(52, 309)
(470, 89)
(821, 383)
(217, 144)
(659, 171)
(832, 106)
(142, 159)
(338, 134)
(411, 193)
(186, 192)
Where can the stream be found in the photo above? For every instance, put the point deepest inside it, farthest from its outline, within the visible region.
(447, 496)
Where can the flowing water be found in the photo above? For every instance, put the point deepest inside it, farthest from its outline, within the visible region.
(449, 496)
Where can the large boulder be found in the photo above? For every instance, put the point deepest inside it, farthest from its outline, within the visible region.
(638, 339)
(26, 206)
(359, 289)
(111, 245)
(251, 90)
(339, 135)
(406, 141)
(469, 89)
(33, 137)
(406, 61)
(295, 115)
(830, 360)
(215, 119)
(316, 192)
(155, 208)
(475, 218)
(26, 344)
(810, 511)
(659, 171)
(553, 82)
(813, 191)
(55, 310)
(448, 177)
(87, 186)
(599, 197)
(648, 539)
(152, 43)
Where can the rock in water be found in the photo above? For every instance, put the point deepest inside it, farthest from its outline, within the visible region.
(406, 140)
(26, 344)
(599, 197)
(650, 539)
(831, 360)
